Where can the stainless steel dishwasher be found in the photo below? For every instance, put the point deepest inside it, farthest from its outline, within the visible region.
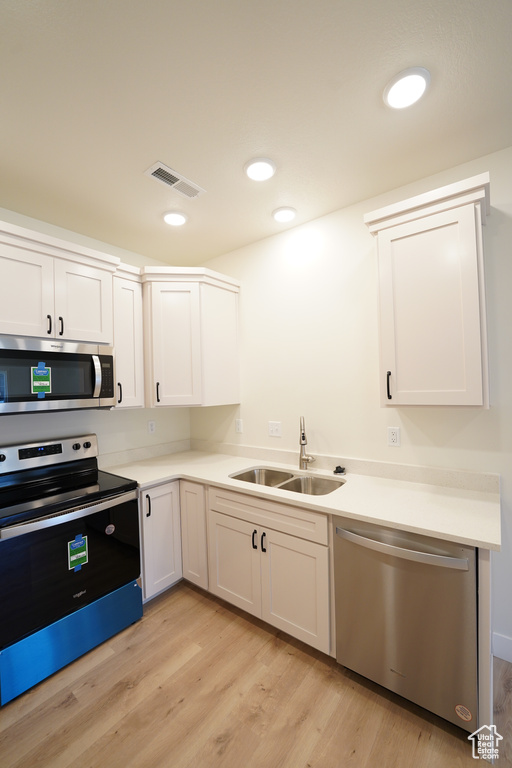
(406, 616)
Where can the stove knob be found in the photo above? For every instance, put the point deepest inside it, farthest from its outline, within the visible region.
(2, 457)
(87, 444)
(76, 446)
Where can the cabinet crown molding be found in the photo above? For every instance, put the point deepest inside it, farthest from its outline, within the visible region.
(187, 274)
(31, 240)
(474, 190)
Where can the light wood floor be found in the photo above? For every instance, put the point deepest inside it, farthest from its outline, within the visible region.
(502, 683)
(197, 684)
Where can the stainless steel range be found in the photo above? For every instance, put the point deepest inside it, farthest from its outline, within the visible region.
(69, 558)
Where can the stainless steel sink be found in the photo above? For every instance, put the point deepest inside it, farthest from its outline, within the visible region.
(287, 481)
(315, 486)
(263, 476)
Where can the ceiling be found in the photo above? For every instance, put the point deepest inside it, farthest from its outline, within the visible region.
(93, 93)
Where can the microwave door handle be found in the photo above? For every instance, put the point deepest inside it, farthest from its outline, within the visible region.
(97, 376)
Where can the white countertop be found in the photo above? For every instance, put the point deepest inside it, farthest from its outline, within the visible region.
(464, 516)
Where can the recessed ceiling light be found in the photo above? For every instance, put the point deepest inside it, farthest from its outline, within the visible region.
(175, 218)
(260, 169)
(284, 214)
(407, 87)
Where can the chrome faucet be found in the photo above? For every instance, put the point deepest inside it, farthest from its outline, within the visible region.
(304, 459)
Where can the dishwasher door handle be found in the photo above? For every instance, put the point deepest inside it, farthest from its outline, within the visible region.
(444, 561)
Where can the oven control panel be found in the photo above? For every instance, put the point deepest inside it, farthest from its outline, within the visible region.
(40, 450)
(18, 457)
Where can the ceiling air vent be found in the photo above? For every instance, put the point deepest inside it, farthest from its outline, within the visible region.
(173, 179)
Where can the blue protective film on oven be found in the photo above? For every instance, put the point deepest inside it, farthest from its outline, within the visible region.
(39, 655)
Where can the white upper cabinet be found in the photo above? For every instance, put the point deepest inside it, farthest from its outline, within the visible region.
(433, 348)
(128, 337)
(53, 289)
(190, 337)
(83, 302)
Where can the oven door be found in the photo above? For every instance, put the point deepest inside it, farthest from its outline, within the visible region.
(53, 566)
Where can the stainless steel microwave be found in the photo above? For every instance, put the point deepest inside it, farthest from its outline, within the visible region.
(52, 375)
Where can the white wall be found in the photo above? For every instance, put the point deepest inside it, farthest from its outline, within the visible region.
(118, 431)
(309, 338)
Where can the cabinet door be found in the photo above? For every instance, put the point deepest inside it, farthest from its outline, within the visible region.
(161, 537)
(83, 302)
(26, 292)
(176, 344)
(431, 348)
(128, 343)
(193, 533)
(234, 561)
(295, 587)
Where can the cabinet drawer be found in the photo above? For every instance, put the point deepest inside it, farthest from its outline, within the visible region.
(270, 514)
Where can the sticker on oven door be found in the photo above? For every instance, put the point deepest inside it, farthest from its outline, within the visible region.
(77, 553)
(41, 380)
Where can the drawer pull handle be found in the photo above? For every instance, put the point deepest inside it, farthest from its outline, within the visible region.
(388, 376)
(262, 538)
(49, 318)
(254, 545)
(148, 497)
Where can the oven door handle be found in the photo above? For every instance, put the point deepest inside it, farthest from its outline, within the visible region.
(64, 517)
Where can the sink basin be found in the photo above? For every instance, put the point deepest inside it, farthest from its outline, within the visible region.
(263, 476)
(288, 481)
(316, 486)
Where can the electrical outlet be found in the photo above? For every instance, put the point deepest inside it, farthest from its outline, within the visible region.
(239, 426)
(151, 427)
(274, 429)
(394, 436)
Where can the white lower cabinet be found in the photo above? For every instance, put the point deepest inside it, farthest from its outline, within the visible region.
(193, 533)
(161, 537)
(280, 578)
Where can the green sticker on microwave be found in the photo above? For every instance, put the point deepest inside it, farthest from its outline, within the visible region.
(77, 553)
(41, 379)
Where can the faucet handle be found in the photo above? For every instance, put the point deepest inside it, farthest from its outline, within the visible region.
(302, 437)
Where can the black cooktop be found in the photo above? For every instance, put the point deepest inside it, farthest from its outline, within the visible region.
(43, 491)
